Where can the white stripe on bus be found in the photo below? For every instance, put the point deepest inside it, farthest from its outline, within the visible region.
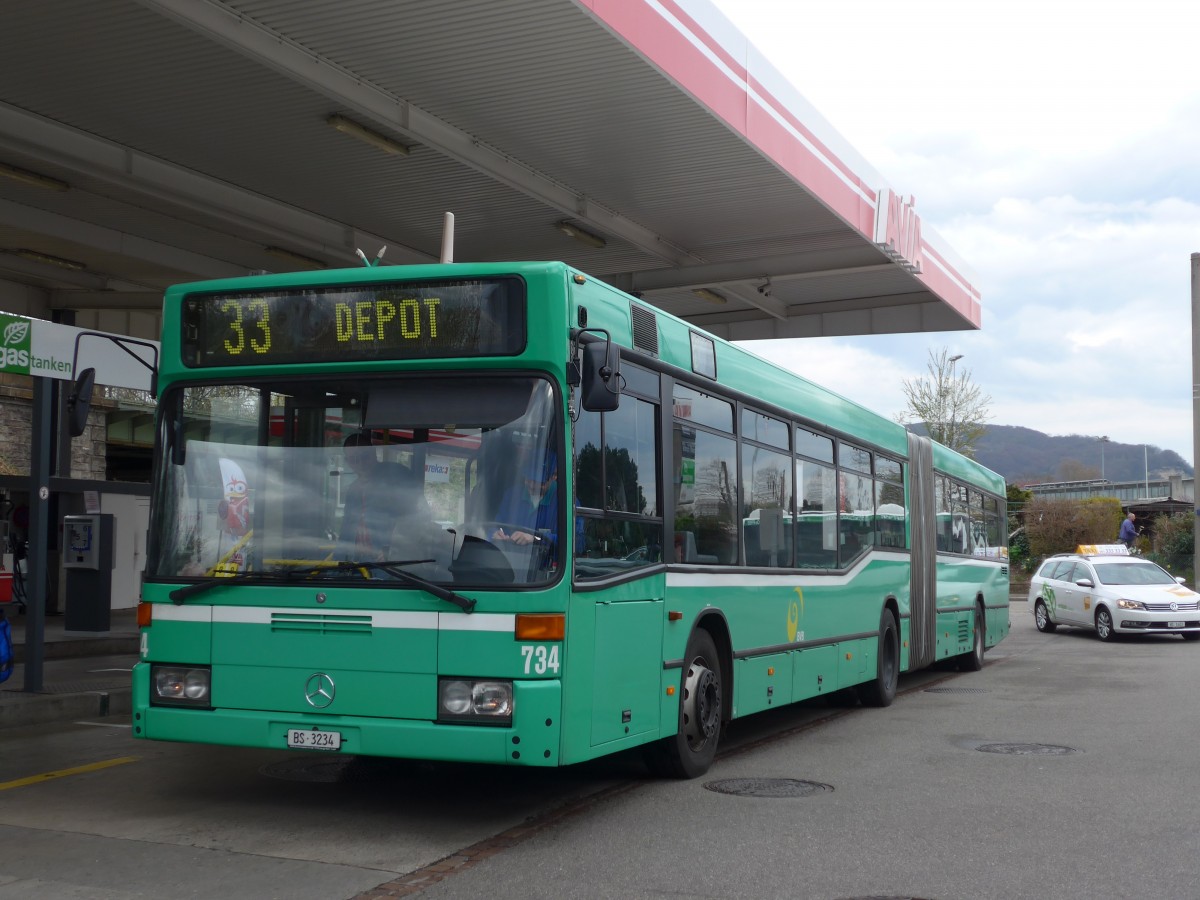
(265, 615)
(678, 579)
(164, 612)
(503, 622)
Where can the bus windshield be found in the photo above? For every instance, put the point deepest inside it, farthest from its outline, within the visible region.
(452, 479)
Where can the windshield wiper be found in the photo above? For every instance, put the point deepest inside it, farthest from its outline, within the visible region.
(179, 595)
(392, 567)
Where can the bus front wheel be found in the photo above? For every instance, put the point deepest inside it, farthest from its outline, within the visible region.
(690, 751)
(882, 690)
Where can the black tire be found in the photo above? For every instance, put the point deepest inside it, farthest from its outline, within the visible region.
(1190, 635)
(690, 751)
(1104, 625)
(972, 661)
(1041, 617)
(881, 690)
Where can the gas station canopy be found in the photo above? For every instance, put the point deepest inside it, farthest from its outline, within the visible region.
(148, 142)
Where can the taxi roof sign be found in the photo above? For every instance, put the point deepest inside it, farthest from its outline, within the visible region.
(1102, 550)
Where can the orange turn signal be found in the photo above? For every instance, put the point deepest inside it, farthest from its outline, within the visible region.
(145, 614)
(541, 626)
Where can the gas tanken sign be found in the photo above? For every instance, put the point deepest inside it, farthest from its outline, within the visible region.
(38, 347)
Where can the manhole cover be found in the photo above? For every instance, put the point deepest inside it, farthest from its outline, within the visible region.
(767, 787)
(1027, 749)
(956, 690)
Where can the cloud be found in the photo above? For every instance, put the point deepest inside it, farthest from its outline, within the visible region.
(856, 372)
(1066, 180)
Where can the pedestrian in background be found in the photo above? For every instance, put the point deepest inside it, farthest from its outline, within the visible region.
(1129, 531)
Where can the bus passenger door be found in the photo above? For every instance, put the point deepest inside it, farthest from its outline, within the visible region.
(617, 561)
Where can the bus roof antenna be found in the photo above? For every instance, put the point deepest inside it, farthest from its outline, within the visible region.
(378, 256)
(448, 238)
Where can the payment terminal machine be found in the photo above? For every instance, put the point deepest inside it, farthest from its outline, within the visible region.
(88, 563)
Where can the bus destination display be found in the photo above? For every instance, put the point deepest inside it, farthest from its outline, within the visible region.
(411, 320)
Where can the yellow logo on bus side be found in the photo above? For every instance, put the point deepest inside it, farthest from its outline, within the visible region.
(795, 611)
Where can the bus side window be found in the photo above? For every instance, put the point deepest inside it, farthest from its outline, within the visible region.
(686, 552)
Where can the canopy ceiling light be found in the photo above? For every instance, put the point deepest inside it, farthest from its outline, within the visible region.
(368, 136)
(50, 260)
(710, 296)
(584, 237)
(290, 256)
(26, 177)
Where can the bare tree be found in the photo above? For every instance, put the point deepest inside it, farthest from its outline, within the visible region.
(1059, 526)
(953, 408)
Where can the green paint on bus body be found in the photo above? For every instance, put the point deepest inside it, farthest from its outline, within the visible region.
(614, 682)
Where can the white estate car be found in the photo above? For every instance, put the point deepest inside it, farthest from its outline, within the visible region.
(1114, 594)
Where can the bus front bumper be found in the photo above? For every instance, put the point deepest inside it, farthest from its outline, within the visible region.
(533, 738)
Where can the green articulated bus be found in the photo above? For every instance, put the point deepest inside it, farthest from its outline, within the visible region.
(506, 513)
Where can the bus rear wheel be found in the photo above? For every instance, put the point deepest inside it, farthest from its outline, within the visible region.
(972, 661)
(690, 751)
(882, 690)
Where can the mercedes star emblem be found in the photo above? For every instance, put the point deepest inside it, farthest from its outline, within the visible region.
(319, 690)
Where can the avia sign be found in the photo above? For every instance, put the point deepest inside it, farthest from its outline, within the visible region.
(38, 347)
(898, 230)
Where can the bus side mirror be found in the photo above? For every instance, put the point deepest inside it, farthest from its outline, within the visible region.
(601, 389)
(80, 402)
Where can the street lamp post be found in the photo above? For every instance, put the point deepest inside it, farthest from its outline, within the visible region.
(1103, 440)
(1195, 392)
(950, 428)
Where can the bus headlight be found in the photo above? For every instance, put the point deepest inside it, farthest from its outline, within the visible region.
(180, 685)
(480, 702)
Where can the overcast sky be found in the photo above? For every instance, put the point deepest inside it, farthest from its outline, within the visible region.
(1055, 146)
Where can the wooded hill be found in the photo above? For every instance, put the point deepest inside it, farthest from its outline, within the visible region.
(1025, 456)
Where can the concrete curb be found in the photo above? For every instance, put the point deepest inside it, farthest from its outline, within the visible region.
(20, 709)
(113, 645)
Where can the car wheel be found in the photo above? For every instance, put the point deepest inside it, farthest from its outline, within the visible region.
(1104, 625)
(1190, 635)
(1041, 616)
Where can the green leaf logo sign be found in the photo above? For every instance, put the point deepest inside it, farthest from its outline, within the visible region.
(15, 333)
(14, 350)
